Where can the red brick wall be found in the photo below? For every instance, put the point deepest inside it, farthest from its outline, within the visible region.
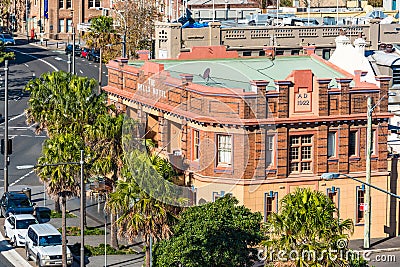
(244, 115)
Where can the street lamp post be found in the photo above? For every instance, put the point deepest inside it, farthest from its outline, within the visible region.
(73, 48)
(367, 201)
(367, 237)
(328, 176)
(81, 163)
(6, 159)
(73, 42)
(105, 238)
(69, 63)
(26, 20)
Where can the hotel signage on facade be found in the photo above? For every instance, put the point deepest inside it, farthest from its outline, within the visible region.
(150, 87)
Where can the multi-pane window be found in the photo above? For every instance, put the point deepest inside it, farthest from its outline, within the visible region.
(269, 150)
(61, 25)
(300, 153)
(94, 3)
(353, 143)
(268, 206)
(331, 144)
(61, 3)
(196, 144)
(69, 25)
(360, 204)
(224, 145)
(69, 3)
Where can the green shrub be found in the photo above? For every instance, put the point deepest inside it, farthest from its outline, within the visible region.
(55, 214)
(76, 231)
(356, 260)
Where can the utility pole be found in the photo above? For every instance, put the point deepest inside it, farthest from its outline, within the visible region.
(6, 126)
(73, 48)
(100, 69)
(73, 42)
(26, 20)
(83, 213)
(69, 63)
(367, 198)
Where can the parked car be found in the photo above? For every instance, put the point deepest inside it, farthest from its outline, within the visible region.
(7, 39)
(85, 52)
(4, 29)
(68, 50)
(42, 214)
(15, 202)
(94, 54)
(16, 227)
(43, 245)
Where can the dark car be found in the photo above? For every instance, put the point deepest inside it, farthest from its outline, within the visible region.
(94, 54)
(68, 50)
(85, 52)
(4, 29)
(42, 214)
(15, 202)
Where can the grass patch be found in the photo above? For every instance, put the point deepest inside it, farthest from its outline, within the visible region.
(76, 231)
(99, 250)
(55, 214)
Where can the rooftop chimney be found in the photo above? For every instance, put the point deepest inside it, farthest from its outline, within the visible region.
(360, 44)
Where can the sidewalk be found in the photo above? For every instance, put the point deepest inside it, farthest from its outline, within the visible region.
(377, 244)
(48, 43)
(94, 211)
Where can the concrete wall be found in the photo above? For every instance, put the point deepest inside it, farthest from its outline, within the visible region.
(171, 39)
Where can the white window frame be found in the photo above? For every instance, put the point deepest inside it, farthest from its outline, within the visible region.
(224, 149)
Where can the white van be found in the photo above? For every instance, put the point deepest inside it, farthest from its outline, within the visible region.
(43, 244)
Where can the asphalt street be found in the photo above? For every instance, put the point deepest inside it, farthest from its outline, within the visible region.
(31, 61)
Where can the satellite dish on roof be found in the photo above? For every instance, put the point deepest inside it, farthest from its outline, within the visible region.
(206, 74)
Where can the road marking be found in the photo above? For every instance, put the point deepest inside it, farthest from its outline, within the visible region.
(26, 65)
(41, 60)
(14, 118)
(12, 255)
(21, 178)
(58, 58)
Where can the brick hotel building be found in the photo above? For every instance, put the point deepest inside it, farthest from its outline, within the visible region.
(260, 127)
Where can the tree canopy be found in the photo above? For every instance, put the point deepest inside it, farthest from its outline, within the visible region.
(5, 54)
(308, 222)
(220, 233)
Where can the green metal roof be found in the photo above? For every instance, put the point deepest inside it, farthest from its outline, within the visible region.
(236, 73)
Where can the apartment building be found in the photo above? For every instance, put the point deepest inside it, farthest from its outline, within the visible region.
(56, 18)
(258, 128)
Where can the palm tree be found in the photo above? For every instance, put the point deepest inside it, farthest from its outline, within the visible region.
(105, 139)
(143, 202)
(140, 214)
(62, 180)
(101, 35)
(308, 221)
(63, 103)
